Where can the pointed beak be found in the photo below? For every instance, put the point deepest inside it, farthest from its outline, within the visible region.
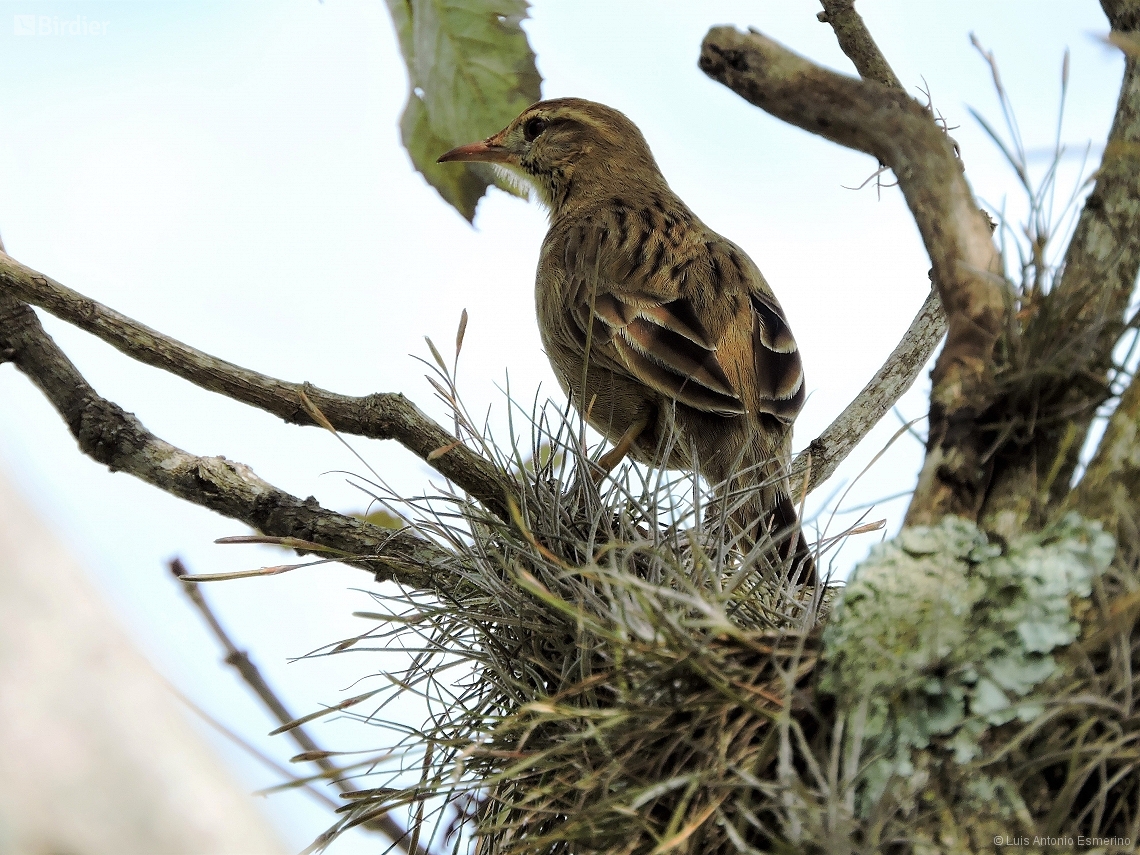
(488, 151)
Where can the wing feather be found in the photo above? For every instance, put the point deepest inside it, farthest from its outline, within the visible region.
(658, 341)
(779, 369)
(642, 326)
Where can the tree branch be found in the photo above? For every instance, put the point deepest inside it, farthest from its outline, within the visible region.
(889, 384)
(898, 373)
(855, 41)
(1110, 488)
(1077, 326)
(117, 439)
(894, 128)
(377, 416)
(241, 662)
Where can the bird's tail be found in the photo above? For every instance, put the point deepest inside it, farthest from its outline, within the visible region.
(767, 514)
(757, 497)
(784, 525)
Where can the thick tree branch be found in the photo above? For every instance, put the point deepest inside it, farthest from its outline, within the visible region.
(892, 127)
(377, 416)
(855, 41)
(1110, 488)
(1078, 325)
(118, 440)
(889, 384)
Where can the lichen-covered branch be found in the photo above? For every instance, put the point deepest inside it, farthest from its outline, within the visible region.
(900, 132)
(377, 416)
(117, 439)
(889, 384)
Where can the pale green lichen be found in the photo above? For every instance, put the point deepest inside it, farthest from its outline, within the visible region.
(943, 635)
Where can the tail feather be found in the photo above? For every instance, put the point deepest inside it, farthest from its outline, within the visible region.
(784, 525)
(753, 481)
(768, 515)
(759, 506)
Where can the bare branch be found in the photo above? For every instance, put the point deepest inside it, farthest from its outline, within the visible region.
(898, 373)
(900, 132)
(117, 439)
(889, 384)
(855, 41)
(377, 416)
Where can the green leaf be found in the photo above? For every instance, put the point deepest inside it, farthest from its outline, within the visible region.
(471, 71)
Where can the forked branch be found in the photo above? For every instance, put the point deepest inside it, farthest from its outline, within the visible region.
(1098, 276)
(117, 439)
(900, 132)
(377, 416)
(918, 343)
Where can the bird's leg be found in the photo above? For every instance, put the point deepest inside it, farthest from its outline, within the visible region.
(614, 456)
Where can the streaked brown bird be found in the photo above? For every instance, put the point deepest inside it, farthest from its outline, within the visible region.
(662, 332)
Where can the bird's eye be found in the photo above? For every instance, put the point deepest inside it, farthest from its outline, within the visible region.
(533, 128)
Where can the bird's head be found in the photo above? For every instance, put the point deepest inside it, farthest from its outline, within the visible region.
(570, 150)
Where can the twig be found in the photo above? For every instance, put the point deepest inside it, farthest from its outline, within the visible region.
(889, 384)
(117, 439)
(266, 761)
(901, 133)
(926, 330)
(249, 672)
(377, 416)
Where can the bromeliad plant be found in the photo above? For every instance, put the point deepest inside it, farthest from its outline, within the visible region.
(606, 675)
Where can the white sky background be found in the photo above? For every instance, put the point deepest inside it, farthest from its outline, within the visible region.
(230, 174)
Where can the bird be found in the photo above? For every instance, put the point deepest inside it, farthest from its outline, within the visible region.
(663, 333)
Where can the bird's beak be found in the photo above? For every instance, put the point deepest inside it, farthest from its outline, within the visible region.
(489, 150)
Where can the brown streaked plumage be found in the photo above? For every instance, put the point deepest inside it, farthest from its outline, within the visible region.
(662, 332)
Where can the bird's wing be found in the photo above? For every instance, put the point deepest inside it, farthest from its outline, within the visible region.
(779, 371)
(654, 336)
(640, 308)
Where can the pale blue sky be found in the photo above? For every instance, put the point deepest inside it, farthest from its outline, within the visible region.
(230, 173)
